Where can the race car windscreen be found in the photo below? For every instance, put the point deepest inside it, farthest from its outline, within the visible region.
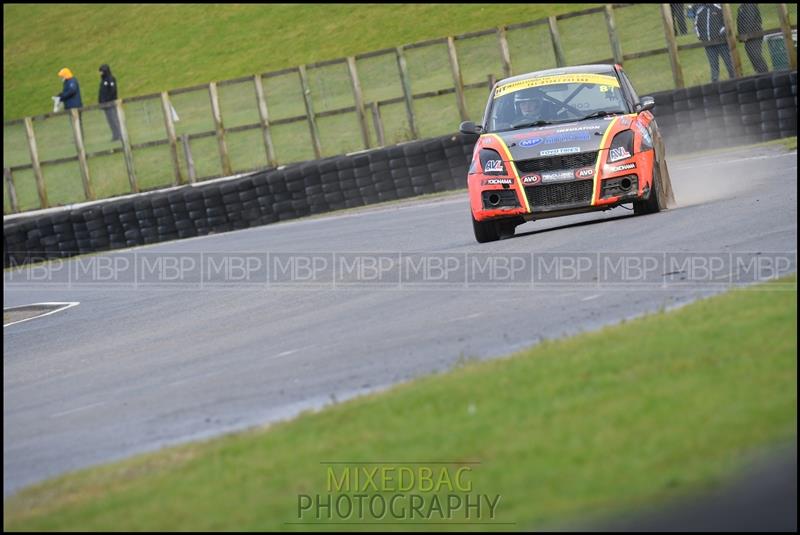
(554, 99)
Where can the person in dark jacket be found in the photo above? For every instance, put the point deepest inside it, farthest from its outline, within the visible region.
(748, 21)
(709, 25)
(71, 91)
(108, 93)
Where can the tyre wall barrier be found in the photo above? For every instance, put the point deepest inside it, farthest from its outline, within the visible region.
(722, 114)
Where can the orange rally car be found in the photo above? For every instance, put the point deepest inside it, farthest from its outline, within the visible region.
(561, 142)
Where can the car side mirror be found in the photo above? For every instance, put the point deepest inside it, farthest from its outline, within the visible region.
(647, 103)
(468, 127)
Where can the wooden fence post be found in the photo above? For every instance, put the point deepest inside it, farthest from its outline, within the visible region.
(169, 124)
(404, 80)
(505, 55)
(12, 191)
(730, 37)
(457, 79)
(786, 28)
(611, 26)
(220, 128)
(77, 133)
(37, 169)
(126, 147)
(555, 37)
(378, 122)
(187, 153)
(312, 120)
(672, 46)
(263, 113)
(359, 99)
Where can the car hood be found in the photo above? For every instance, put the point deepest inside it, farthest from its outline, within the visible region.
(557, 139)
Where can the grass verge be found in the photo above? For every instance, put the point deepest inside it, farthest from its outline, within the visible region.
(618, 419)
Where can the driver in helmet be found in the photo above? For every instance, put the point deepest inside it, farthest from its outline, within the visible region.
(530, 105)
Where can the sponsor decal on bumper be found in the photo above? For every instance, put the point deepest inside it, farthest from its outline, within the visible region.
(563, 150)
(618, 168)
(497, 181)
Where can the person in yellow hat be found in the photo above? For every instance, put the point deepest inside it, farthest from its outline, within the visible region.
(71, 92)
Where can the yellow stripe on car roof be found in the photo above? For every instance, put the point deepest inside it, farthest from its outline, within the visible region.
(599, 79)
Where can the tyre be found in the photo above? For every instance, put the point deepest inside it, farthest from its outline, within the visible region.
(485, 231)
(657, 198)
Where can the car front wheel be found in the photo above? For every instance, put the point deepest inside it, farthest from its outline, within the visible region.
(485, 231)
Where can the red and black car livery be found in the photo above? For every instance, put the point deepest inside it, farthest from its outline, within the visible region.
(561, 142)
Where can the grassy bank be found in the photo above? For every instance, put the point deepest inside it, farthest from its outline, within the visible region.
(613, 420)
(157, 47)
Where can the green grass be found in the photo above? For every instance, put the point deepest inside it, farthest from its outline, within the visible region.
(183, 45)
(655, 408)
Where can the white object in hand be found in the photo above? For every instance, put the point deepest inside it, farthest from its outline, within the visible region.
(57, 104)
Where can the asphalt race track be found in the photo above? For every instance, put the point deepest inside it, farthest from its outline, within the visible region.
(132, 369)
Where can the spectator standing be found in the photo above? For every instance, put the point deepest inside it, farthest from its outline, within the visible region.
(71, 91)
(748, 21)
(678, 19)
(108, 93)
(709, 25)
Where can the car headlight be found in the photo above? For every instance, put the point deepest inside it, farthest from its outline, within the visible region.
(621, 146)
(492, 163)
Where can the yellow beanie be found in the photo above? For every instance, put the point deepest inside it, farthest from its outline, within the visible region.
(66, 73)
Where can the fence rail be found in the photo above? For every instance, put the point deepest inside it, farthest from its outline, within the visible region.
(360, 102)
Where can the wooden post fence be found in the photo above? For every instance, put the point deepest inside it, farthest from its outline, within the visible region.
(77, 133)
(730, 38)
(12, 191)
(358, 98)
(555, 37)
(457, 80)
(187, 154)
(672, 46)
(505, 55)
(126, 147)
(220, 129)
(263, 114)
(378, 123)
(786, 29)
(613, 39)
(404, 80)
(37, 168)
(312, 120)
(169, 125)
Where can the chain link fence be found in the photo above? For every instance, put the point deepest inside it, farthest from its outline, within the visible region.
(374, 99)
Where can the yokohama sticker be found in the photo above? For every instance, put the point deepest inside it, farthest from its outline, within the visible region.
(495, 181)
(618, 168)
(584, 172)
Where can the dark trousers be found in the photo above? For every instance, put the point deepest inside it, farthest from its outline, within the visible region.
(113, 122)
(753, 48)
(713, 53)
(678, 19)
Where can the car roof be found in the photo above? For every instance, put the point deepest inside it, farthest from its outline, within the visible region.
(577, 69)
